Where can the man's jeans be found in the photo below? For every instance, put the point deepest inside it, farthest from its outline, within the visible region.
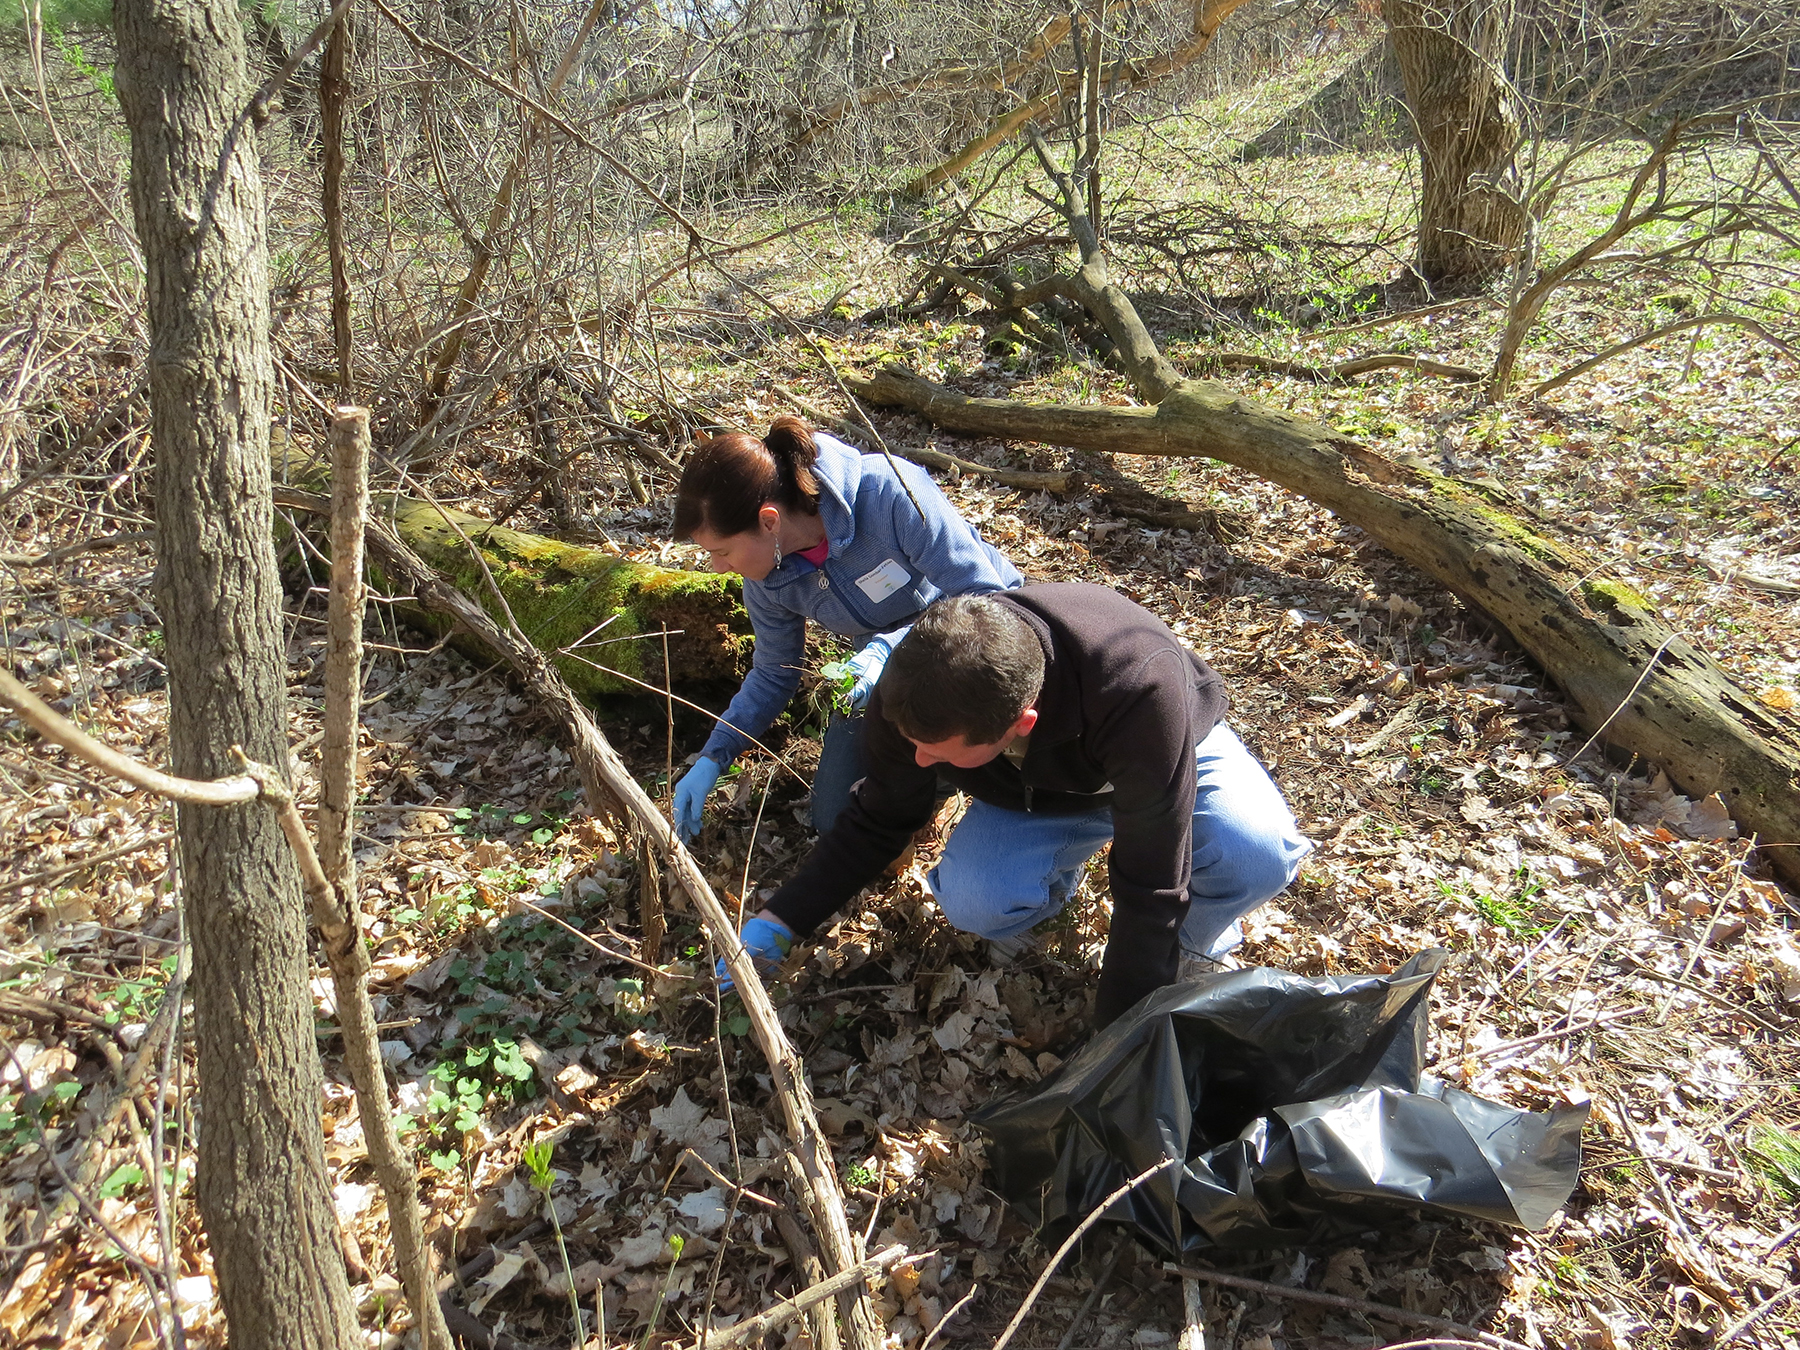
(1004, 871)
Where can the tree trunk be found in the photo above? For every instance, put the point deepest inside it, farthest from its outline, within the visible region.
(613, 612)
(1465, 113)
(196, 191)
(1628, 676)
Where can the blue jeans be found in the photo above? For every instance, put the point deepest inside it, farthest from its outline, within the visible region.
(840, 767)
(1004, 871)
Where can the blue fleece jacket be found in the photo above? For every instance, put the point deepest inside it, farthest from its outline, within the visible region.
(886, 563)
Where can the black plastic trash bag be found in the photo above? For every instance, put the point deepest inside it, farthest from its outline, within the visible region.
(1298, 1106)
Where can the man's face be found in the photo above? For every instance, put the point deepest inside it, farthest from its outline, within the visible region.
(958, 753)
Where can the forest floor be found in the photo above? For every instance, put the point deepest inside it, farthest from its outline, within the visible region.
(1613, 943)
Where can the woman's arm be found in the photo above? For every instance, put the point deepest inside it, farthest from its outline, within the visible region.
(774, 676)
(940, 544)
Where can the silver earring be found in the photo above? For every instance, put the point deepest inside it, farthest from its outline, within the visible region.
(777, 554)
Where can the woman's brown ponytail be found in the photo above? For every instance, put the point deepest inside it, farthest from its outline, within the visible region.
(791, 443)
(730, 477)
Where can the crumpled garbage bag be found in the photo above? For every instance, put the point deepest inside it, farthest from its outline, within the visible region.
(1298, 1106)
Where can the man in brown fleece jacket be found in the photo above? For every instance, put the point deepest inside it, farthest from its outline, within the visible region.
(1071, 717)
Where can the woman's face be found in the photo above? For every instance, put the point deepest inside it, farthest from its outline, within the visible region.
(750, 554)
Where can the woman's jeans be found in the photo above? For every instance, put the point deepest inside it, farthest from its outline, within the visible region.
(840, 766)
(1004, 871)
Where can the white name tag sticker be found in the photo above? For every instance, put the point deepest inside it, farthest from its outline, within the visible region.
(883, 581)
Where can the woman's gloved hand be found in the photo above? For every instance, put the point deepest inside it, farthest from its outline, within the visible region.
(690, 796)
(767, 939)
(867, 666)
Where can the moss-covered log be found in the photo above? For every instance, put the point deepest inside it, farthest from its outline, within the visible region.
(1629, 677)
(599, 617)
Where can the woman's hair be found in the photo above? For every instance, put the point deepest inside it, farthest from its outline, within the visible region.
(730, 477)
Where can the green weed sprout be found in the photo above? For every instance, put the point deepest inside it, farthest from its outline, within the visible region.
(1776, 1157)
(536, 1158)
(840, 680)
(676, 1243)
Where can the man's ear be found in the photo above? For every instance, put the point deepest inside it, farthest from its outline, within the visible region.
(1027, 720)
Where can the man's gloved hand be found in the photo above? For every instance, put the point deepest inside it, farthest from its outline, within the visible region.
(768, 941)
(690, 796)
(867, 666)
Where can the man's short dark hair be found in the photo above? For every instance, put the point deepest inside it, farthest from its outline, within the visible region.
(969, 668)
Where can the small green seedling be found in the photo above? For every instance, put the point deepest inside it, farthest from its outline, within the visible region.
(536, 1158)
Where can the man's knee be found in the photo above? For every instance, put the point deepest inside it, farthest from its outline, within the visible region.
(1251, 863)
(973, 902)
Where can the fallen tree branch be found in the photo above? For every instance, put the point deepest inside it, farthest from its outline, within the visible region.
(612, 791)
(91, 860)
(1385, 1311)
(1025, 480)
(1619, 664)
(1343, 371)
(67, 551)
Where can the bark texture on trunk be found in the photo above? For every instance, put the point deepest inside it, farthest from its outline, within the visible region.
(1627, 675)
(196, 192)
(1466, 116)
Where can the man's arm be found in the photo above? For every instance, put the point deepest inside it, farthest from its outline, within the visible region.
(1147, 746)
(894, 799)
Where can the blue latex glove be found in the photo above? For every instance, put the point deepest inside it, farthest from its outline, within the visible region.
(867, 666)
(768, 942)
(690, 796)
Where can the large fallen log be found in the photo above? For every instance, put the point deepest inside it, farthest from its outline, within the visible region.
(1628, 676)
(1630, 679)
(601, 618)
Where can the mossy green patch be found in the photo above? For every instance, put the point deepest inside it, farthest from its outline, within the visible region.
(1607, 593)
(604, 620)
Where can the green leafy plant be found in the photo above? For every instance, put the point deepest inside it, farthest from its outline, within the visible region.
(25, 1115)
(536, 1158)
(839, 680)
(480, 1074)
(123, 1177)
(676, 1243)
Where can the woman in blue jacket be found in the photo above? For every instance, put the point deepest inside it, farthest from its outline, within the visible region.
(859, 544)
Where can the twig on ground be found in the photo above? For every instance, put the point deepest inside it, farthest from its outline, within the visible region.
(1385, 1311)
(1768, 1305)
(1193, 1335)
(755, 1328)
(44, 878)
(1094, 1295)
(1341, 371)
(67, 551)
(1748, 1014)
(1574, 1029)
(1056, 1257)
